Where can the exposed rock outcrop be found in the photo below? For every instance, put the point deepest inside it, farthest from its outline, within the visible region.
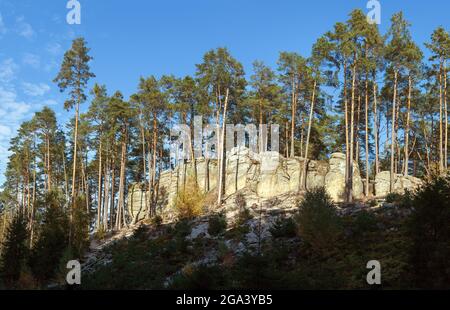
(267, 175)
(401, 183)
(335, 178)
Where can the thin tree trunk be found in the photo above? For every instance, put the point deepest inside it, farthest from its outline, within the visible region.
(367, 136)
(375, 124)
(352, 137)
(441, 132)
(311, 116)
(393, 138)
(99, 189)
(408, 112)
(49, 165)
(155, 140)
(66, 178)
(347, 138)
(446, 118)
(294, 108)
(107, 198)
(121, 203)
(75, 151)
(112, 208)
(223, 152)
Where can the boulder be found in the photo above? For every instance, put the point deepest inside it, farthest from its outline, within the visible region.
(401, 183)
(335, 178)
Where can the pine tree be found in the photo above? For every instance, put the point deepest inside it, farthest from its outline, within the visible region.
(222, 79)
(53, 238)
(14, 250)
(74, 76)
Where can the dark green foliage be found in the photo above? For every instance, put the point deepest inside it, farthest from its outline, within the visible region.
(430, 231)
(201, 278)
(75, 72)
(217, 224)
(253, 270)
(331, 252)
(157, 220)
(53, 239)
(318, 222)
(80, 228)
(15, 250)
(284, 228)
(240, 226)
(393, 198)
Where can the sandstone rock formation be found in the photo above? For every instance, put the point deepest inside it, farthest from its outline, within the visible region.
(267, 174)
(335, 178)
(401, 183)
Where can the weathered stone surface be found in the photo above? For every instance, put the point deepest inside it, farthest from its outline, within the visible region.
(335, 178)
(240, 169)
(267, 174)
(401, 183)
(137, 198)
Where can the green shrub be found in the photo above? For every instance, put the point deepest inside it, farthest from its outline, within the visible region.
(283, 228)
(182, 228)
(217, 224)
(201, 278)
(394, 198)
(15, 250)
(429, 229)
(53, 239)
(318, 222)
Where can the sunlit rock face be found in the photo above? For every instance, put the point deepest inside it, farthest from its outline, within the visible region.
(335, 178)
(267, 174)
(401, 183)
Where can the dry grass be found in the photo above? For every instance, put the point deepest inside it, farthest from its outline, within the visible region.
(189, 201)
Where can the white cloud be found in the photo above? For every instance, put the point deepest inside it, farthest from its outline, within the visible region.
(35, 89)
(48, 102)
(2, 25)
(12, 113)
(23, 28)
(54, 48)
(31, 60)
(8, 70)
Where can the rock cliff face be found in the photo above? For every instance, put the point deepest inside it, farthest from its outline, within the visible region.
(267, 174)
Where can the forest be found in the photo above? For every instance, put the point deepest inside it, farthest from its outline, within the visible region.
(370, 95)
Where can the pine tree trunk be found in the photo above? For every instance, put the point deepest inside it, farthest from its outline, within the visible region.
(49, 165)
(107, 198)
(352, 138)
(367, 136)
(74, 168)
(121, 203)
(393, 133)
(155, 140)
(408, 113)
(99, 188)
(112, 208)
(261, 142)
(375, 124)
(311, 116)
(441, 132)
(223, 152)
(66, 178)
(347, 138)
(294, 108)
(446, 119)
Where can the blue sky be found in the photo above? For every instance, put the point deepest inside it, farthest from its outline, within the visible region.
(137, 38)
